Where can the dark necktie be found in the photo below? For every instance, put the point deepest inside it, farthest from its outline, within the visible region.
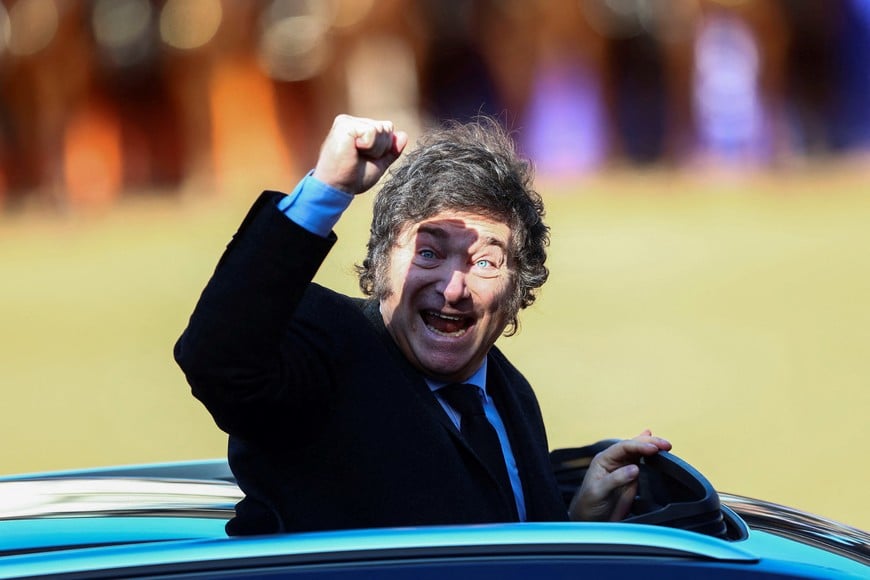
(479, 433)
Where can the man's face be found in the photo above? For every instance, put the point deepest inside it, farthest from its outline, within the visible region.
(449, 279)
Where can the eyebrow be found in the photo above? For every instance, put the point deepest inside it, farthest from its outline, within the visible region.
(433, 231)
(441, 234)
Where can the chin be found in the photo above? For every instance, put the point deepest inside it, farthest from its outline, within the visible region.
(447, 372)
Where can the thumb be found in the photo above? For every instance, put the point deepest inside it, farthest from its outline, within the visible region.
(400, 140)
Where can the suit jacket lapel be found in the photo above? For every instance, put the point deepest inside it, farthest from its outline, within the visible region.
(528, 439)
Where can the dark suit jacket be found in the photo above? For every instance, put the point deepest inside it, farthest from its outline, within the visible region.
(330, 427)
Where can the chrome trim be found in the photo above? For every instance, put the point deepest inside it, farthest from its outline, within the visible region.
(801, 526)
(101, 496)
(199, 469)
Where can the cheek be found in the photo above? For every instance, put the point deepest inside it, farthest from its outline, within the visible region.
(496, 295)
(400, 299)
(393, 274)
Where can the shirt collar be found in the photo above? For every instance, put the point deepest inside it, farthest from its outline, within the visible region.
(478, 379)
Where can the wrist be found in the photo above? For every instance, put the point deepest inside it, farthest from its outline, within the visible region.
(315, 205)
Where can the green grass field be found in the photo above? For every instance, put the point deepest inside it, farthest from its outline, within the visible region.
(732, 317)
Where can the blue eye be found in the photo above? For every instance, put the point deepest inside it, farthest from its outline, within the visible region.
(483, 264)
(427, 254)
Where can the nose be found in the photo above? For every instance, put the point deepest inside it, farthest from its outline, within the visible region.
(455, 286)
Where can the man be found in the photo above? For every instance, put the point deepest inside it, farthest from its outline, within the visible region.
(337, 408)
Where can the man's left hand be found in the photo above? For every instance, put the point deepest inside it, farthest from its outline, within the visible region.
(610, 484)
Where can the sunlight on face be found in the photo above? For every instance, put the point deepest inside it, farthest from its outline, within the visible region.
(450, 279)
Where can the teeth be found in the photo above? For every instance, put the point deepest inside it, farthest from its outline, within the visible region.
(446, 317)
(458, 333)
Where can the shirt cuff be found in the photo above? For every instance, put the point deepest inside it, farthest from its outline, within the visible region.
(315, 205)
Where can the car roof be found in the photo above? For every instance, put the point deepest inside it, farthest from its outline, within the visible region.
(591, 543)
(84, 521)
(361, 545)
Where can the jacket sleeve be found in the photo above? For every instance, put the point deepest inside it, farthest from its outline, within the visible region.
(235, 352)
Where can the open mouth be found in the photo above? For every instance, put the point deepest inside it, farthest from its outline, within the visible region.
(446, 325)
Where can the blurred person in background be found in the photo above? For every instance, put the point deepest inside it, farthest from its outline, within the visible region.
(455, 76)
(348, 412)
(46, 69)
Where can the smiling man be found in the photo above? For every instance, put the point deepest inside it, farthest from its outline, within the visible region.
(449, 283)
(396, 409)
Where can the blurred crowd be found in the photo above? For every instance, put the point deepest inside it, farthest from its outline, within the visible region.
(100, 98)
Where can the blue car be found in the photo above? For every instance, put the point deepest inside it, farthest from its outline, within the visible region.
(167, 521)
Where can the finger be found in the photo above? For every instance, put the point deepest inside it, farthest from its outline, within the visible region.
(601, 485)
(661, 444)
(624, 452)
(365, 136)
(627, 452)
(375, 139)
(624, 500)
(613, 493)
(623, 476)
(647, 436)
(374, 144)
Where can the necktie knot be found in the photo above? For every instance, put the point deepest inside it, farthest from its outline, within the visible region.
(464, 398)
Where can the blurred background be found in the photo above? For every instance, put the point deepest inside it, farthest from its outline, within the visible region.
(705, 165)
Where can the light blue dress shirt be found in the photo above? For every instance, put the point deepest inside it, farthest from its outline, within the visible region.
(317, 207)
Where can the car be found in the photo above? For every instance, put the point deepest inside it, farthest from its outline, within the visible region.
(167, 521)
